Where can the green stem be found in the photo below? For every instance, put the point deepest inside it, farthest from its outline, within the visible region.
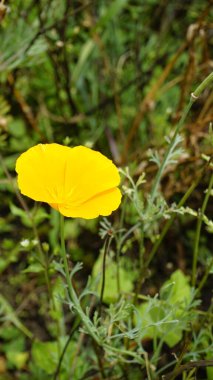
(171, 146)
(141, 251)
(205, 276)
(117, 239)
(106, 251)
(74, 299)
(57, 372)
(194, 97)
(118, 274)
(43, 260)
(123, 352)
(72, 295)
(44, 263)
(126, 235)
(203, 85)
(141, 268)
(170, 221)
(198, 231)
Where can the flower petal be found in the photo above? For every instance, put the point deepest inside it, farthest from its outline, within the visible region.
(91, 173)
(101, 204)
(41, 172)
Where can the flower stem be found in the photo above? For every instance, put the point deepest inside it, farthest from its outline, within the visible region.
(170, 148)
(207, 81)
(106, 251)
(205, 276)
(72, 294)
(171, 220)
(194, 97)
(198, 230)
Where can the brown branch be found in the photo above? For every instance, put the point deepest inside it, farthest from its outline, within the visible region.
(185, 367)
(24, 106)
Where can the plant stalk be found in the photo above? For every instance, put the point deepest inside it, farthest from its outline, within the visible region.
(194, 96)
(198, 231)
(106, 251)
(72, 295)
(170, 221)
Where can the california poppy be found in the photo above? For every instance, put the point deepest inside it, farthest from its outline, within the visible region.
(78, 182)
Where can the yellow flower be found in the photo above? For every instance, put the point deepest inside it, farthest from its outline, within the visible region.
(78, 182)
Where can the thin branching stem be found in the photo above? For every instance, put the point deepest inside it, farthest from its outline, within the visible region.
(72, 295)
(205, 276)
(169, 150)
(198, 230)
(171, 220)
(106, 251)
(84, 318)
(56, 375)
(194, 96)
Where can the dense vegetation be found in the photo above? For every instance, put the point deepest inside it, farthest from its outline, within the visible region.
(115, 76)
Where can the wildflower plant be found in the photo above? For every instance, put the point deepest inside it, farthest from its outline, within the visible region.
(82, 183)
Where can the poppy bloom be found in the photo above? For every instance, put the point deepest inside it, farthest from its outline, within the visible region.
(78, 182)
